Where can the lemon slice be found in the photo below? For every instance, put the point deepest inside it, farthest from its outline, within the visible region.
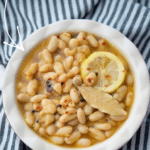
(109, 69)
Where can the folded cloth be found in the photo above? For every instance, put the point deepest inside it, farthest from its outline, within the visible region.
(130, 17)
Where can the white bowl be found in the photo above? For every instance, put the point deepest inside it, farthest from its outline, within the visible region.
(125, 46)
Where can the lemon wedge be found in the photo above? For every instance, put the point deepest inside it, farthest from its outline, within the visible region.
(109, 69)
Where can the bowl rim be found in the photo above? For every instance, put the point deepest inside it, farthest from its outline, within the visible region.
(137, 63)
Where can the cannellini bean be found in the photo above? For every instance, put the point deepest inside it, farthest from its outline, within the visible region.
(65, 100)
(80, 57)
(46, 68)
(50, 76)
(67, 117)
(60, 124)
(74, 122)
(65, 36)
(47, 120)
(73, 72)
(28, 106)
(57, 116)
(74, 94)
(57, 87)
(102, 43)
(73, 43)
(58, 58)
(37, 106)
(59, 68)
(71, 110)
(62, 45)
(88, 110)
(61, 110)
(67, 86)
(36, 126)
(120, 93)
(42, 131)
(57, 140)
(76, 63)
(97, 134)
(96, 116)
(92, 40)
(69, 61)
(83, 129)
(69, 52)
(22, 87)
(122, 105)
(38, 98)
(29, 118)
(31, 71)
(90, 79)
(51, 130)
(82, 104)
(113, 123)
(73, 138)
(84, 49)
(37, 116)
(32, 87)
(23, 97)
(47, 56)
(63, 78)
(55, 101)
(81, 116)
(53, 44)
(129, 79)
(118, 118)
(48, 106)
(103, 126)
(129, 99)
(77, 80)
(82, 38)
(84, 142)
(64, 131)
(109, 133)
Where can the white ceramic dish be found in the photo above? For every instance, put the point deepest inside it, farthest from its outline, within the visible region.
(126, 47)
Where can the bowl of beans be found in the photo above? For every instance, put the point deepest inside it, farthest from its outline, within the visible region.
(79, 84)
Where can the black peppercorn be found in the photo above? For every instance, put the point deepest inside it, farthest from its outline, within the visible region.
(33, 111)
(59, 105)
(96, 73)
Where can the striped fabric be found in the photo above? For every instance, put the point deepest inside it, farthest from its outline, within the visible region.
(130, 17)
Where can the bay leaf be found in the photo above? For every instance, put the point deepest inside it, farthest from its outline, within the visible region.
(101, 100)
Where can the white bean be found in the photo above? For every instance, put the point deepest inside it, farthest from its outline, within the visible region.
(57, 116)
(57, 87)
(80, 57)
(74, 122)
(23, 97)
(42, 131)
(57, 140)
(76, 63)
(77, 80)
(96, 116)
(84, 49)
(28, 106)
(73, 138)
(97, 134)
(37, 106)
(59, 68)
(83, 129)
(81, 116)
(46, 68)
(65, 36)
(88, 110)
(70, 110)
(84, 142)
(69, 52)
(50, 76)
(31, 71)
(47, 56)
(92, 40)
(67, 86)
(75, 96)
(53, 44)
(62, 45)
(90, 79)
(103, 126)
(73, 72)
(129, 99)
(61, 110)
(29, 118)
(47, 120)
(51, 130)
(129, 79)
(59, 124)
(73, 43)
(63, 78)
(82, 38)
(64, 131)
(38, 98)
(118, 118)
(66, 118)
(120, 93)
(32, 87)
(36, 126)
(69, 61)
(58, 58)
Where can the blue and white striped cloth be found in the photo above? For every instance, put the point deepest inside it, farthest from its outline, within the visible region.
(130, 17)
